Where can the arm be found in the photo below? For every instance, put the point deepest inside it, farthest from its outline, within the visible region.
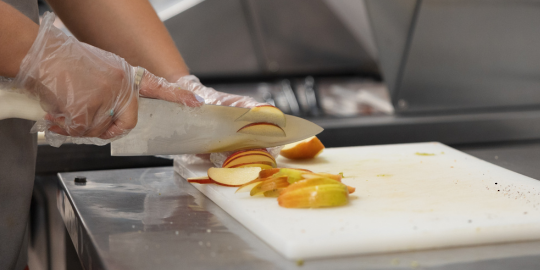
(129, 28)
(17, 34)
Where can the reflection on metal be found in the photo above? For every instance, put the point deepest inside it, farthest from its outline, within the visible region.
(291, 98)
(260, 37)
(391, 21)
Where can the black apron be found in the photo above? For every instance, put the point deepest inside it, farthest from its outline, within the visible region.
(17, 168)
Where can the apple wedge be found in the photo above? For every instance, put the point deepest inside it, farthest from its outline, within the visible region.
(293, 175)
(268, 172)
(200, 180)
(264, 113)
(336, 177)
(274, 193)
(233, 176)
(312, 193)
(250, 158)
(262, 165)
(270, 184)
(237, 154)
(304, 149)
(262, 129)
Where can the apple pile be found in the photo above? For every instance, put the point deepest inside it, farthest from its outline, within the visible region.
(266, 120)
(294, 188)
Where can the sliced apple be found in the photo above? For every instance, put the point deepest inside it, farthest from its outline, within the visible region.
(293, 175)
(262, 165)
(262, 129)
(315, 196)
(316, 192)
(304, 149)
(273, 193)
(250, 158)
(270, 184)
(351, 189)
(237, 154)
(200, 180)
(249, 186)
(264, 113)
(336, 177)
(312, 182)
(234, 176)
(268, 172)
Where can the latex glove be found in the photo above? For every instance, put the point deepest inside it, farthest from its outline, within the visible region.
(89, 94)
(214, 97)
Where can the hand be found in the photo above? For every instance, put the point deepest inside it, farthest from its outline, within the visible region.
(214, 97)
(88, 92)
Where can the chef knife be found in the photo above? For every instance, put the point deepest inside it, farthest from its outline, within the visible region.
(166, 128)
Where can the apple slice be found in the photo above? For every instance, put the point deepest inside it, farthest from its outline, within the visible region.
(249, 186)
(264, 113)
(262, 129)
(293, 174)
(250, 158)
(268, 172)
(315, 196)
(351, 189)
(270, 184)
(201, 180)
(237, 154)
(304, 149)
(336, 177)
(233, 176)
(274, 193)
(262, 165)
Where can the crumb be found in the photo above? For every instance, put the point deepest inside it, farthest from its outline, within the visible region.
(300, 262)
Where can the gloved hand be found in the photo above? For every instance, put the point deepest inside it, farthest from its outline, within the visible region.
(89, 94)
(214, 97)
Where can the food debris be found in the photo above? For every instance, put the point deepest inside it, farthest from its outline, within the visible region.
(300, 262)
(414, 264)
(342, 176)
(424, 154)
(383, 175)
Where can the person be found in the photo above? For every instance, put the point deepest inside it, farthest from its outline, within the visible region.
(88, 84)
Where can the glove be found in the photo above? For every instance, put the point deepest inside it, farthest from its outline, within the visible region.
(89, 94)
(214, 97)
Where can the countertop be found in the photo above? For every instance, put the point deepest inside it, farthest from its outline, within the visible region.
(153, 219)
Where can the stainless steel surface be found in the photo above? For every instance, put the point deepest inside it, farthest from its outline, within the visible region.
(220, 38)
(391, 21)
(472, 55)
(166, 128)
(448, 129)
(153, 219)
(215, 40)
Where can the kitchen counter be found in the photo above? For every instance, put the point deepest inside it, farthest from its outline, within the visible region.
(153, 219)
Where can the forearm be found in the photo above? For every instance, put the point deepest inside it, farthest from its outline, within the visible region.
(129, 28)
(17, 34)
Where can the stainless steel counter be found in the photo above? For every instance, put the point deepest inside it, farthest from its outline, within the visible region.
(153, 219)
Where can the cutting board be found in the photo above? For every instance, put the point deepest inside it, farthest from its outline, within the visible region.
(408, 197)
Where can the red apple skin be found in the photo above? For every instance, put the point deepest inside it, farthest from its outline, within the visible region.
(201, 181)
(229, 159)
(249, 163)
(249, 151)
(261, 158)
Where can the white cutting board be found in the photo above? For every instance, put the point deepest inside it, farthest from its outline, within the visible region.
(403, 201)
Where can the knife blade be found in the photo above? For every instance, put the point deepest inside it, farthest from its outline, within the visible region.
(166, 128)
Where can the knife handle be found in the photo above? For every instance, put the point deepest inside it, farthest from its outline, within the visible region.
(15, 105)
